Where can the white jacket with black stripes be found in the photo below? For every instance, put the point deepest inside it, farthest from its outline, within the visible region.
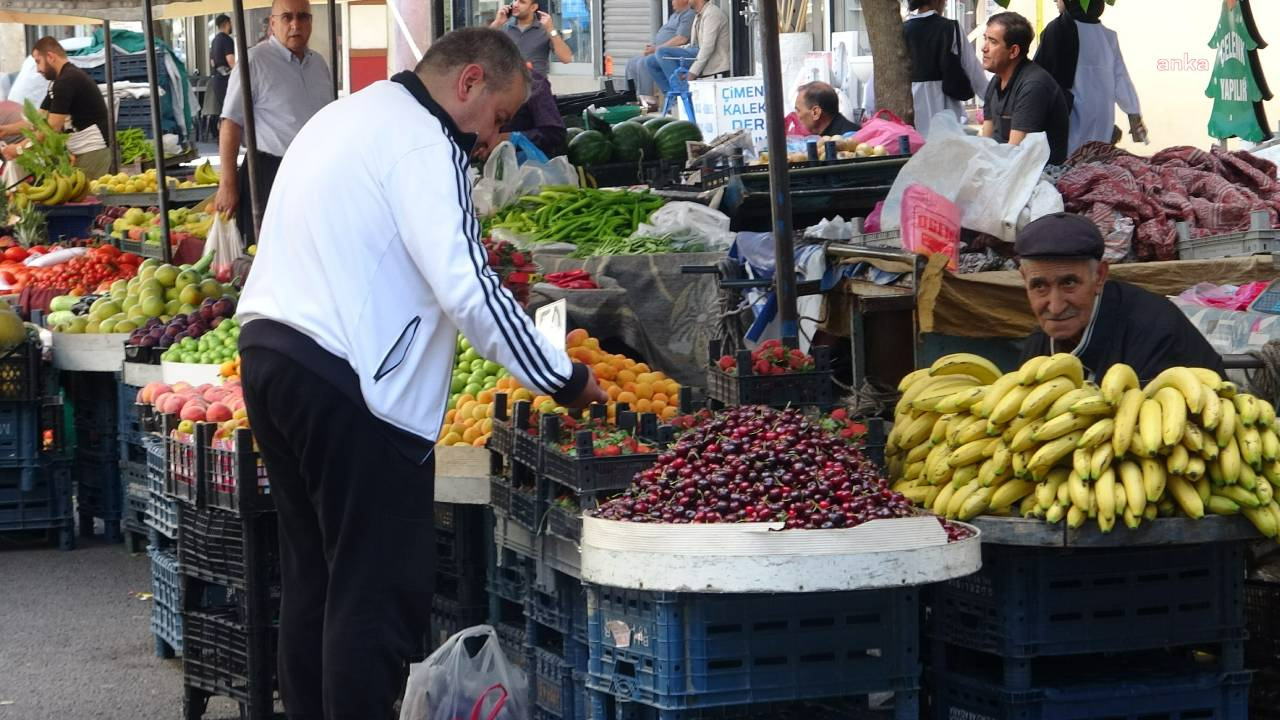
(371, 248)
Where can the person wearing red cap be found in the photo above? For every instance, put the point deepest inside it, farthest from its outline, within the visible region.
(1101, 321)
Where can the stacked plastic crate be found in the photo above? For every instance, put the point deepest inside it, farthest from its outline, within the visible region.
(35, 479)
(132, 462)
(1133, 632)
(95, 464)
(229, 569)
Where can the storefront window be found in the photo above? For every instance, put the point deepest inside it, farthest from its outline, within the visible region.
(573, 19)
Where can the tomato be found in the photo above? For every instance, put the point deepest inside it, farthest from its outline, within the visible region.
(38, 250)
(15, 253)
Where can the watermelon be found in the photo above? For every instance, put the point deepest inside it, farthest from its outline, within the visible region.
(631, 143)
(571, 133)
(671, 139)
(590, 147)
(653, 125)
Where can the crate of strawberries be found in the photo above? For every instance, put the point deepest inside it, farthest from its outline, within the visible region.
(593, 455)
(514, 267)
(772, 375)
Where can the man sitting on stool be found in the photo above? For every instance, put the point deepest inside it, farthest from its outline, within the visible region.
(708, 46)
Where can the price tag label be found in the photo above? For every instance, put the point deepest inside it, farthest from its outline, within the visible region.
(550, 320)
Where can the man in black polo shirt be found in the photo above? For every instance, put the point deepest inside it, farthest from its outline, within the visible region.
(73, 105)
(1022, 98)
(222, 58)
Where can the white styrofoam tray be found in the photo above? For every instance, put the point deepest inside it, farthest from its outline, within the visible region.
(462, 475)
(761, 557)
(89, 352)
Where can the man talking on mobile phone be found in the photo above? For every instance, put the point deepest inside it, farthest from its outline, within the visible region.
(533, 32)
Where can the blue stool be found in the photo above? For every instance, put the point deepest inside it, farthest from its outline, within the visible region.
(680, 89)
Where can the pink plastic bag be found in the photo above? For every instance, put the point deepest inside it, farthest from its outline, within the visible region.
(872, 224)
(884, 129)
(794, 128)
(930, 224)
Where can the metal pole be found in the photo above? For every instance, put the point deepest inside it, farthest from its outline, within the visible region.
(784, 277)
(157, 129)
(333, 47)
(109, 49)
(250, 128)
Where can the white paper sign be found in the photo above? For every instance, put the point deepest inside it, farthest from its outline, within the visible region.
(551, 321)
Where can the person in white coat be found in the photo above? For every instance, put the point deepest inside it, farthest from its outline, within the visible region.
(945, 70)
(1084, 57)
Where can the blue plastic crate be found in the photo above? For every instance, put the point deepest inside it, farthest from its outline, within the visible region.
(510, 578)
(38, 497)
(98, 489)
(162, 511)
(1033, 602)
(129, 424)
(1122, 696)
(603, 706)
(130, 68)
(558, 690)
(512, 639)
(682, 651)
(21, 432)
(74, 220)
(449, 616)
(166, 602)
(526, 507)
(559, 602)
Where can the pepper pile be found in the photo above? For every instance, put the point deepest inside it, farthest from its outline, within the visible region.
(581, 216)
(771, 358)
(572, 280)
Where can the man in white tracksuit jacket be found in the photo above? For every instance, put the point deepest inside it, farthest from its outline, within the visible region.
(371, 262)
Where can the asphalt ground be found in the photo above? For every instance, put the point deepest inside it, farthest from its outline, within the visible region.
(75, 637)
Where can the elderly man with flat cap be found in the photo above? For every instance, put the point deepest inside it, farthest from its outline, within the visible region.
(1101, 321)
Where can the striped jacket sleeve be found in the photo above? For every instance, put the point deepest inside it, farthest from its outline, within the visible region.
(431, 197)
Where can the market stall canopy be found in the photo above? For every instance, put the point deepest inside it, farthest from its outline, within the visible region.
(92, 12)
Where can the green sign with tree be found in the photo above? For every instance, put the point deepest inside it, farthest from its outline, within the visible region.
(1237, 85)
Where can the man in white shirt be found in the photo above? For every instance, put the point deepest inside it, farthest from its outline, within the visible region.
(370, 264)
(290, 84)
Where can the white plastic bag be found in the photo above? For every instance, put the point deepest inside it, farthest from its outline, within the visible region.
(505, 179)
(455, 684)
(689, 223)
(224, 242)
(990, 182)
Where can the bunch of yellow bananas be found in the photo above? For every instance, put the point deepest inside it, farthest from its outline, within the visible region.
(55, 190)
(1042, 442)
(205, 174)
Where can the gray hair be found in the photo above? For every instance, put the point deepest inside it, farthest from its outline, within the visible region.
(491, 49)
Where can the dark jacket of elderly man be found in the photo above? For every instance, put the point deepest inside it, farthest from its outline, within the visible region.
(1101, 321)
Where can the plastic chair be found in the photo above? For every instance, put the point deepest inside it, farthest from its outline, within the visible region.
(679, 81)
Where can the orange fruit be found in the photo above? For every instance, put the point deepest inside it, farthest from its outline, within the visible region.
(480, 441)
(471, 434)
(669, 413)
(614, 391)
(576, 337)
(485, 396)
(604, 371)
(451, 438)
(644, 391)
(643, 406)
(660, 397)
(657, 406)
(627, 397)
(642, 368)
(626, 376)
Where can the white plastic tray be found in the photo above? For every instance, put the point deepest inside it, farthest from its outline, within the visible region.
(193, 373)
(756, 557)
(140, 374)
(462, 475)
(89, 352)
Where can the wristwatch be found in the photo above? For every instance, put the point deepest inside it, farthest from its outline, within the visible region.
(555, 33)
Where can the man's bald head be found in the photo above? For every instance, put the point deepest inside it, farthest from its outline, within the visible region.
(291, 22)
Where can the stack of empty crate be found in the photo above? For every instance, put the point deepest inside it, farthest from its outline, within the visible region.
(95, 467)
(228, 569)
(35, 479)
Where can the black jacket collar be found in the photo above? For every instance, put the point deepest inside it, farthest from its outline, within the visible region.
(411, 82)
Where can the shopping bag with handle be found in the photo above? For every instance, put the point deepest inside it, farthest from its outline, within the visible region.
(467, 678)
(224, 242)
